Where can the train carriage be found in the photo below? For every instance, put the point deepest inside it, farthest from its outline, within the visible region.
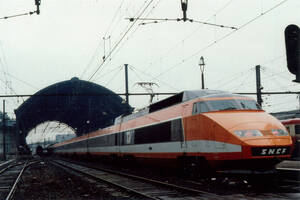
(221, 130)
(293, 127)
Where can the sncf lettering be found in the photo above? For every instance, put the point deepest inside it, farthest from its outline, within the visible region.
(271, 151)
(283, 151)
(278, 151)
(264, 151)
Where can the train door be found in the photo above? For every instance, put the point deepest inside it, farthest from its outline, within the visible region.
(119, 137)
(185, 124)
(200, 129)
(177, 134)
(87, 144)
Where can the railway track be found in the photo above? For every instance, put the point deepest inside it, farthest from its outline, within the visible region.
(277, 186)
(137, 185)
(10, 177)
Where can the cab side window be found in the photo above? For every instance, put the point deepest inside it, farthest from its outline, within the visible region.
(195, 109)
(200, 107)
(288, 129)
(203, 107)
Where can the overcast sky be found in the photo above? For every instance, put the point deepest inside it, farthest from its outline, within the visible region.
(66, 40)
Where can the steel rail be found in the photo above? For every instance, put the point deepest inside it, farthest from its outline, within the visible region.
(170, 185)
(288, 169)
(156, 182)
(14, 187)
(10, 166)
(106, 181)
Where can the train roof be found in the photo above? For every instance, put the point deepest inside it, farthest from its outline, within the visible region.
(193, 94)
(173, 100)
(290, 121)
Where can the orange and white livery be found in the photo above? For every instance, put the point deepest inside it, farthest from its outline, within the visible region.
(205, 127)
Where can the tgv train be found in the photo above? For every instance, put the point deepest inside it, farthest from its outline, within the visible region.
(215, 129)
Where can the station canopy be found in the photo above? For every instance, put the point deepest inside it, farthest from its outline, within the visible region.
(83, 105)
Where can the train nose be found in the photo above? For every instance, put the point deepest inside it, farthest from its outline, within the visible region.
(241, 120)
(267, 141)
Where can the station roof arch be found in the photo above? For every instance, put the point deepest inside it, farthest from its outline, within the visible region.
(83, 105)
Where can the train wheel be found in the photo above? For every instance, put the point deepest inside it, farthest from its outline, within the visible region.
(195, 167)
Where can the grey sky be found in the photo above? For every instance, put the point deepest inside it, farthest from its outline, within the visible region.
(66, 41)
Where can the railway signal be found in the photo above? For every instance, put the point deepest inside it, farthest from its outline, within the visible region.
(292, 44)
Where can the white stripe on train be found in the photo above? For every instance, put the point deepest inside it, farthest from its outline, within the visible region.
(196, 146)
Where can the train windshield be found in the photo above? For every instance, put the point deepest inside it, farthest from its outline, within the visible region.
(228, 104)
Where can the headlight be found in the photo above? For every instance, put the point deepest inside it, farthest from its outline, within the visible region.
(279, 132)
(248, 133)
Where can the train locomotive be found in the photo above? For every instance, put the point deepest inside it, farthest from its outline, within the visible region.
(203, 129)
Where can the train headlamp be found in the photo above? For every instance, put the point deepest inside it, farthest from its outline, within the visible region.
(279, 132)
(248, 133)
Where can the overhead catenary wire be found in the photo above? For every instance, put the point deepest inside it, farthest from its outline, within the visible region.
(114, 17)
(284, 106)
(22, 81)
(123, 36)
(12, 91)
(95, 54)
(184, 19)
(222, 38)
(233, 79)
(242, 83)
(156, 20)
(3, 62)
(267, 76)
(135, 73)
(18, 15)
(131, 33)
(114, 76)
(221, 9)
(7, 79)
(111, 71)
(110, 66)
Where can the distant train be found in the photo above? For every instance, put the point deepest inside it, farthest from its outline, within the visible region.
(205, 129)
(293, 126)
(24, 150)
